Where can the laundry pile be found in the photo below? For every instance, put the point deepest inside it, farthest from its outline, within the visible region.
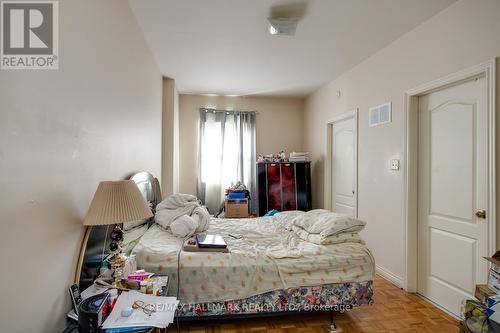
(182, 214)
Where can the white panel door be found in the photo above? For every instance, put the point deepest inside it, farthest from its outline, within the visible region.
(453, 190)
(344, 167)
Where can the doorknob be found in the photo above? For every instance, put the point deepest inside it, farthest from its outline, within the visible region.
(481, 214)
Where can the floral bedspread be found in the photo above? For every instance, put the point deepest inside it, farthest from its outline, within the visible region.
(328, 297)
(267, 258)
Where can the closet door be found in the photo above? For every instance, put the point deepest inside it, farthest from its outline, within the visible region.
(262, 185)
(273, 186)
(303, 179)
(289, 193)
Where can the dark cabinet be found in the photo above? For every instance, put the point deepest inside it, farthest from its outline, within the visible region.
(288, 187)
(273, 191)
(284, 186)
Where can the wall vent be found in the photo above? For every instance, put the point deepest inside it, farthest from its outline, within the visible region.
(380, 114)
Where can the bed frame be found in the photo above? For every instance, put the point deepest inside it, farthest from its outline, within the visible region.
(330, 298)
(179, 319)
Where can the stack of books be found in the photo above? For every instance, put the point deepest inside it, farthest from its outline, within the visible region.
(298, 157)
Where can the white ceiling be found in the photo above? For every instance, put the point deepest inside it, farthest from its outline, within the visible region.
(222, 47)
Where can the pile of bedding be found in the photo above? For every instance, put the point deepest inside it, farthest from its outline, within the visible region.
(182, 214)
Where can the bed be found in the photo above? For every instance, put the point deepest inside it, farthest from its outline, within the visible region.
(270, 269)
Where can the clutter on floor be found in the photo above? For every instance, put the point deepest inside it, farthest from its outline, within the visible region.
(236, 203)
(483, 315)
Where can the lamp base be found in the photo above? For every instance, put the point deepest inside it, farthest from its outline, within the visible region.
(117, 260)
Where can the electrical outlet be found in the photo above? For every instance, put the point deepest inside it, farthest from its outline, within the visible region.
(394, 164)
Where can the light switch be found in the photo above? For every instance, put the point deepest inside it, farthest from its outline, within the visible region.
(394, 164)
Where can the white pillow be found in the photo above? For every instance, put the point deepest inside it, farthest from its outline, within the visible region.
(345, 237)
(287, 218)
(326, 223)
(132, 236)
(133, 224)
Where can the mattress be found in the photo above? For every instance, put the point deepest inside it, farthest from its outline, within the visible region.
(268, 258)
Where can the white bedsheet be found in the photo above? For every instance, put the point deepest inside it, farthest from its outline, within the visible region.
(269, 257)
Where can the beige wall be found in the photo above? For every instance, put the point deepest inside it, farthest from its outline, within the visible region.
(465, 34)
(170, 138)
(61, 132)
(279, 126)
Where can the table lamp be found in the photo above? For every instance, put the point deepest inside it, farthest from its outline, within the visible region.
(116, 202)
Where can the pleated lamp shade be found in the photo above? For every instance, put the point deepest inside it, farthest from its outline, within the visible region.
(117, 202)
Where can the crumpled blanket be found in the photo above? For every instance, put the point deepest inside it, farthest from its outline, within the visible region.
(183, 226)
(182, 214)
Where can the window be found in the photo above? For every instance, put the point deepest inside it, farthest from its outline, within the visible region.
(226, 154)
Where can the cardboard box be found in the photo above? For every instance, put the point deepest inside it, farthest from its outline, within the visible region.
(236, 208)
(483, 292)
(494, 281)
(495, 261)
(494, 275)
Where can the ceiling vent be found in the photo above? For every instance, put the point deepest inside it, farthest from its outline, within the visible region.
(379, 115)
(282, 26)
(283, 18)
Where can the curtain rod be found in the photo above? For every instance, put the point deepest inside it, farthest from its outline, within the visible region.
(219, 110)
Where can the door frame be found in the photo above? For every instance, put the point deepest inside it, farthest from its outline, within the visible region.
(410, 153)
(354, 113)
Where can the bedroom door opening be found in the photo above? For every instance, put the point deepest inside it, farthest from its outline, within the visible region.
(342, 155)
(450, 186)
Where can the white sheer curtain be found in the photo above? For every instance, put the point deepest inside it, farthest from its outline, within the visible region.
(226, 154)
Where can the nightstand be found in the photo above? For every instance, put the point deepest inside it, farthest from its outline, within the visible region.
(162, 282)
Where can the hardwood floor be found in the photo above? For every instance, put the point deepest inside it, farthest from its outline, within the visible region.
(394, 311)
